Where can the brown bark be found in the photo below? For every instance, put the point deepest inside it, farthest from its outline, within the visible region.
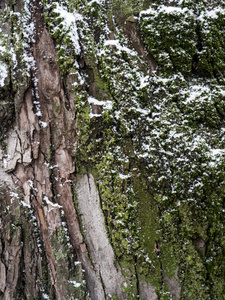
(41, 164)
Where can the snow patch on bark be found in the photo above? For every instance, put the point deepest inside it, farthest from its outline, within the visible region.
(3, 72)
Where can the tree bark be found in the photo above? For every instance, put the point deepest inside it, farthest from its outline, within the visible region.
(112, 150)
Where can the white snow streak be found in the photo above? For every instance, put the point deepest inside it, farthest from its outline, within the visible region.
(69, 24)
(3, 72)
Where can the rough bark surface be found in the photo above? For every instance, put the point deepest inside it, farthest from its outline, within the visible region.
(33, 145)
(112, 149)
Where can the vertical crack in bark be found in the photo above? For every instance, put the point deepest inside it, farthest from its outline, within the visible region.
(48, 249)
(102, 282)
(161, 273)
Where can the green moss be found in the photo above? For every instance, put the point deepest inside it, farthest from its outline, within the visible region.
(152, 154)
(64, 45)
(211, 55)
(149, 232)
(178, 41)
(170, 38)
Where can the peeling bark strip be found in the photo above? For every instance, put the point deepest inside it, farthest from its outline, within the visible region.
(101, 251)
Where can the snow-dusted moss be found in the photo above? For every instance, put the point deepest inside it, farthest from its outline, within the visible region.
(157, 150)
(210, 53)
(169, 33)
(185, 38)
(62, 25)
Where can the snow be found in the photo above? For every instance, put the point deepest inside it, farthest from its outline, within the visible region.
(92, 100)
(117, 44)
(216, 156)
(29, 61)
(29, 27)
(123, 176)
(43, 124)
(4, 163)
(217, 151)
(144, 81)
(25, 204)
(211, 14)
(106, 104)
(28, 37)
(37, 106)
(53, 205)
(32, 185)
(29, 32)
(3, 72)
(69, 24)
(196, 93)
(111, 42)
(91, 115)
(164, 9)
(162, 137)
(13, 196)
(75, 284)
(96, 1)
(3, 49)
(171, 9)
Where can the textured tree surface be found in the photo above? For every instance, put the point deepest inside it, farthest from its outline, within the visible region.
(112, 165)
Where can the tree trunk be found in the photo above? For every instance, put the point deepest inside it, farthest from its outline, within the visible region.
(112, 149)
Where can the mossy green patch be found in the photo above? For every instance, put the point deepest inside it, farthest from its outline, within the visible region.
(170, 37)
(157, 153)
